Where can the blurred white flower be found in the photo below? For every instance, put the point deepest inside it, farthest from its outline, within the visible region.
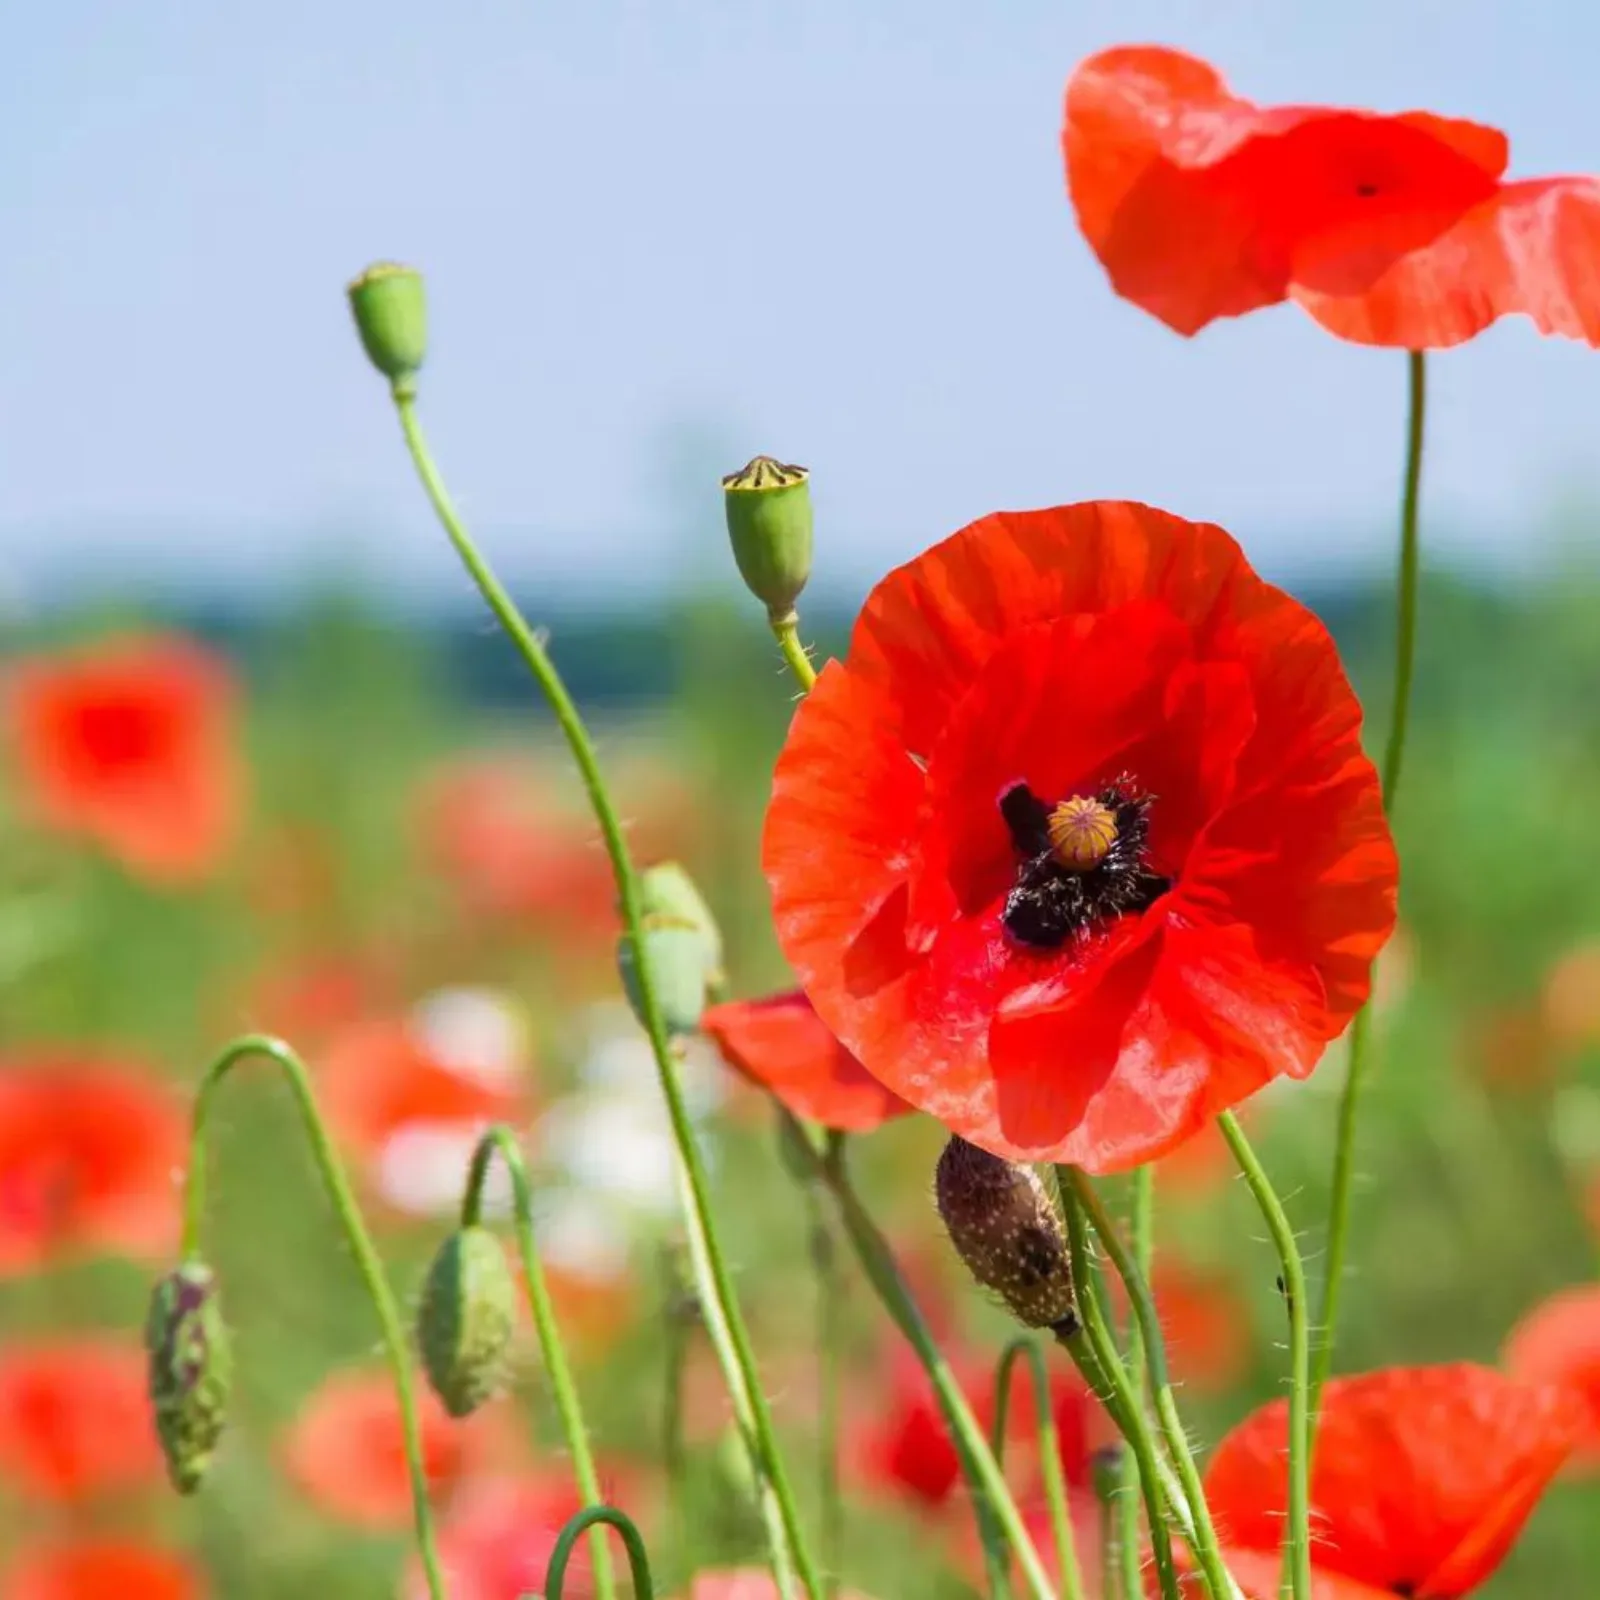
(475, 1033)
(422, 1170)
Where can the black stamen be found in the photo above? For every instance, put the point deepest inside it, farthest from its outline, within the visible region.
(1049, 902)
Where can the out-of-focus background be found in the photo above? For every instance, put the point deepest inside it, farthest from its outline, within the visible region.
(660, 238)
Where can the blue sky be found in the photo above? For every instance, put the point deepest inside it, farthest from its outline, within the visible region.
(662, 236)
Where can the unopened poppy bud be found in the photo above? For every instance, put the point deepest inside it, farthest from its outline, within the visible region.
(1105, 1472)
(674, 953)
(735, 1468)
(667, 890)
(768, 506)
(190, 1371)
(465, 1321)
(391, 312)
(1006, 1231)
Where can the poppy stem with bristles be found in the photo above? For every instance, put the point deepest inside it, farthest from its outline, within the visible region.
(1055, 1485)
(1143, 1230)
(1297, 1548)
(498, 1140)
(368, 1264)
(786, 630)
(716, 1283)
(1203, 1536)
(1405, 650)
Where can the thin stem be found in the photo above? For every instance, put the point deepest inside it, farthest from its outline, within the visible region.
(1143, 1228)
(741, 1366)
(1206, 1549)
(825, 1267)
(1094, 1350)
(786, 630)
(1405, 650)
(555, 1576)
(1297, 1552)
(569, 1407)
(1055, 1483)
(1108, 1540)
(348, 1212)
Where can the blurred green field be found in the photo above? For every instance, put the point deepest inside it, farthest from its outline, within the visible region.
(1478, 1153)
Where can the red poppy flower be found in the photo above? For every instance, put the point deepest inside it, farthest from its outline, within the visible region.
(1559, 1342)
(89, 1154)
(744, 1583)
(133, 745)
(1422, 1481)
(781, 1044)
(1259, 1573)
(74, 1421)
(346, 1450)
(1079, 846)
(101, 1569)
(1389, 230)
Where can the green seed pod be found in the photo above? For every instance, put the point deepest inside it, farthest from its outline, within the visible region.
(190, 1371)
(768, 505)
(464, 1325)
(667, 890)
(675, 952)
(1007, 1233)
(391, 312)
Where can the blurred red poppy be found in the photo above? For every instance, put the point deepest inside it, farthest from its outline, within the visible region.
(1422, 1481)
(132, 744)
(90, 1152)
(744, 1583)
(1079, 846)
(346, 1449)
(101, 1569)
(1559, 1342)
(497, 1540)
(782, 1045)
(74, 1421)
(1259, 1575)
(1389, 230)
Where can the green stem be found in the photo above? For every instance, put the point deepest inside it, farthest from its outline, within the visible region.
(499, 1140)
(741, 1368)
(678, 1321)
(555, 1576)
(367, 1262)
(1094, 1350)
(991, 1496)
(825, 1267)
(1206, 1549)
(1108, 1541)
(1405, 650)
(1143, 1228)
(1297, 1552)
(786, 630)
(1055, 1483)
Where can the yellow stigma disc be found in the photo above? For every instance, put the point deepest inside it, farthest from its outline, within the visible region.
(1082, 830)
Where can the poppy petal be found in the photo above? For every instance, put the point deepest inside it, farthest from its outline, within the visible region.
(1559, 1342)
(1423, 1476)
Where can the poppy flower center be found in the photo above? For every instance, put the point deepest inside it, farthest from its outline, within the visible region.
(1080, 863)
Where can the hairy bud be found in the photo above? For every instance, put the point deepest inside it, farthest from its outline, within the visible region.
(465, 1322)
(673, 952)
(190, 1371)
(1006, 1231)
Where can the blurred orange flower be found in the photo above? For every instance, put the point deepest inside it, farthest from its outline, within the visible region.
(101, 1569)
(132, 744)
(1571, 999)
(346, 1449)
(781, 1044)
(74, 1422)
(1558, 1341)
(89, 1156)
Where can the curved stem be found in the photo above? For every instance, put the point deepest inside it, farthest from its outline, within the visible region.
(825, 1268)
(555, 1576)
(1405, 650)
(1297, 1551)
(367, 1262)
(1143, 1228)
(1094, 1351)
(1055, 1483)
(786, 630)
(1206, 1549)
(499, 1140)
(699, 1216)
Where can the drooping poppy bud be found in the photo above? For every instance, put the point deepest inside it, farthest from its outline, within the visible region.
(1006, 1231)
(674, 954)
(465, 1320)
(768, 507)
(391, 312)
(190, 1371)
(667, 890)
